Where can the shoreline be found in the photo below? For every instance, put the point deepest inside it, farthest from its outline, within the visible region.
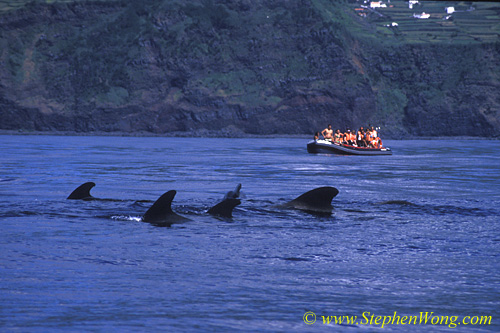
(189, 134)
(214, 134)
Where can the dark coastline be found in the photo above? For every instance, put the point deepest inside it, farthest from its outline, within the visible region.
(191, 134)
(214, 134)
(245, 69)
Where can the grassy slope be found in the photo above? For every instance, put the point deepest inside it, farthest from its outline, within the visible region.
(472, 22)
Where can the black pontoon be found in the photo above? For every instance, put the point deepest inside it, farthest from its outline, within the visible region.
(328, 147)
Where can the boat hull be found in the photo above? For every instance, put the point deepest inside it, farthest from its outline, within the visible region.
(326, 147)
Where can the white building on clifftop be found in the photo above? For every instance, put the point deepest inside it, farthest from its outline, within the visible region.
(424, 15)
(411, 3)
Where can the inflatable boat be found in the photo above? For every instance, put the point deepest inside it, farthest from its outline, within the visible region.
(328, 147)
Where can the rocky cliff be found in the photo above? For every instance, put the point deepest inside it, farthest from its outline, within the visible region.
(233, 68)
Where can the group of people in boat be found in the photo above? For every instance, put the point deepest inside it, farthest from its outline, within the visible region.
(363, 138)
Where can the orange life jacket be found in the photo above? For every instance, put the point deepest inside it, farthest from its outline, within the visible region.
(376, 143)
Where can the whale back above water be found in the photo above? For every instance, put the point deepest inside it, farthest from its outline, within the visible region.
(161, 213)
(82, 192)
(318, 200)
(225, 207)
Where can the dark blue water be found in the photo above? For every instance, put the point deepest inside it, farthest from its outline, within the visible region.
(414, 232)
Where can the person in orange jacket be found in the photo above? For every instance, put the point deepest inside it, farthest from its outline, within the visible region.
(360, 137)
(349, 138)
(353, 139)
(369, 138)
(375, 141)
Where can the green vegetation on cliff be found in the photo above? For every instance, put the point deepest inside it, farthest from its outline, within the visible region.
(244, 66)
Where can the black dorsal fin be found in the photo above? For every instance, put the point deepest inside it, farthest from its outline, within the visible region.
(161, 211)
(161, 208)
(225, 207)
(317, 200)
(82, 192)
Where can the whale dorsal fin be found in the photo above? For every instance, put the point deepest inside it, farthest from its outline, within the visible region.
(82, 192)
(224, 208)
(161, 213)
(317, 200)
(161, 209)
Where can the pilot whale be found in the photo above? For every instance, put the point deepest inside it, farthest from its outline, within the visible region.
(161, 213)
(318, 200)
(82, 192)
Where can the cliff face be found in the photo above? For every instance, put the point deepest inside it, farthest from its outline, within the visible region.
(443, 89)
(233, 67)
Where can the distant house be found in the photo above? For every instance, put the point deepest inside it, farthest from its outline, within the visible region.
(424, 15)
(377, 4)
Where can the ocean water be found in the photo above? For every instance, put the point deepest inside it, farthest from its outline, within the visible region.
(411, 234)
